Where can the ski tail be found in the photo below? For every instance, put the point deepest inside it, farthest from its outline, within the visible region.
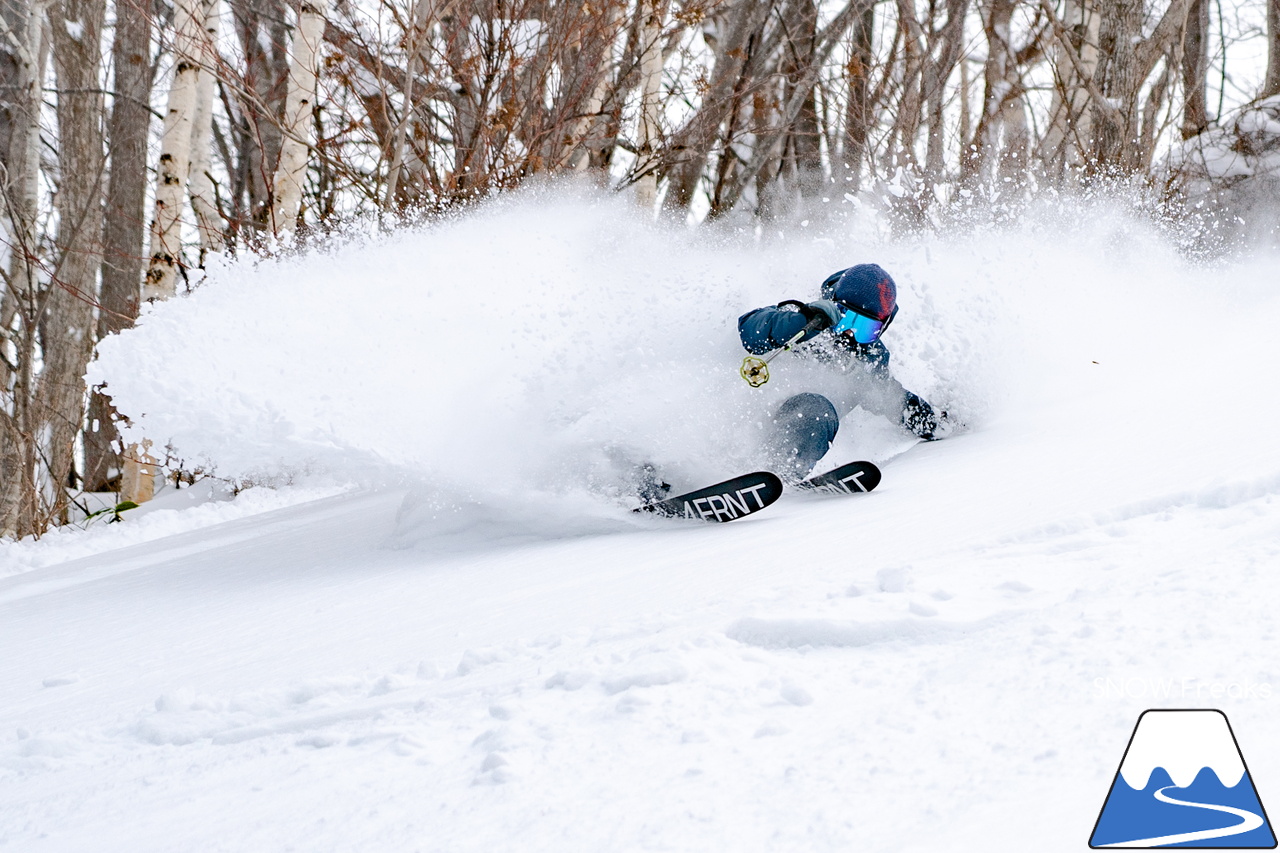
(726, 501)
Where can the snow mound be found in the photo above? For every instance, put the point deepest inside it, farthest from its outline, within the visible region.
(206, 504)
(1234, 169)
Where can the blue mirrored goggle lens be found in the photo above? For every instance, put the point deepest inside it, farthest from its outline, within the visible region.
(865, 329)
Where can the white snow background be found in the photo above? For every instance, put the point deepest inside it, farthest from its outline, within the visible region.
(445, 630)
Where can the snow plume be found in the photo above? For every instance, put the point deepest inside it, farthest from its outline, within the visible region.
(534, 352)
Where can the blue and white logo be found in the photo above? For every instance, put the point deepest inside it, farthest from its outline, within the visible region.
(1183, 783)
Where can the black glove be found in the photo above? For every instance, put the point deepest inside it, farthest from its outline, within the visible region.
(819, 315)
(924, 420)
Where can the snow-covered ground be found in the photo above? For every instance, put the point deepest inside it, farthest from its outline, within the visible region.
(466, 644)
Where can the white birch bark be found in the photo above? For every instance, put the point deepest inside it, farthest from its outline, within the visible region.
(172, 172)
(300, 101)
(18, 457)
(419, 38)
(209, 223)
(579, 158)
(174, 166)
(650, 102)
(25, 151)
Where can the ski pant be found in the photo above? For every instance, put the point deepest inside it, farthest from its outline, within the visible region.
(803, 429)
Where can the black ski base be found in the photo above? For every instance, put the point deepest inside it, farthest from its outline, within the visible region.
(727, 501)
(853, 478)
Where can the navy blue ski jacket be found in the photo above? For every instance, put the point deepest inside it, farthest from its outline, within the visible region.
(873, 387)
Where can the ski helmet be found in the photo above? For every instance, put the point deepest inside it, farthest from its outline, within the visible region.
(866, 288)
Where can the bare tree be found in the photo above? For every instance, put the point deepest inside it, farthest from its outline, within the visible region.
(946, 44)
(67, 321)
(1000, 146)
(801, 148)
(730, 81)
(1127, 61)
(859, 115)
(1195, 69)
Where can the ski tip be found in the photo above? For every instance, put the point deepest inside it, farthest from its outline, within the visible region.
(851, 478)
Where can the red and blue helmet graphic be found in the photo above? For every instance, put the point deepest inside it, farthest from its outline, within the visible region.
(866, 288)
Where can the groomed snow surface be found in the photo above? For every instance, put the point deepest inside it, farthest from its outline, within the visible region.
(444, 630)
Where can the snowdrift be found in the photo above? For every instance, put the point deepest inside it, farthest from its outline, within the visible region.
(518, 361)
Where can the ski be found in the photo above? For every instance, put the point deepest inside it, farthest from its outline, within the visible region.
(852, 478)
(727, 501)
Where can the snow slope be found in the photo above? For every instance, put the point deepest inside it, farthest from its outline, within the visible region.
(444, 659)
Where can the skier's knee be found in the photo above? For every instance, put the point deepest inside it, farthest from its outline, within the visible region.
(810, 415)
(805, 426)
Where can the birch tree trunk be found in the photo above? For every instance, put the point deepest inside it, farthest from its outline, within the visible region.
(418, 42)
(209, 222)
(19, 431)
(649, 133)
(299, 104)
(469, 98)
(596, 71)
(174, 165)
(124, 232)
(172, 172)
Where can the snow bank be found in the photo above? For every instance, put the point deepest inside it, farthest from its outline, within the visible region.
(1232, 171)
(172, 512)
(519, 361)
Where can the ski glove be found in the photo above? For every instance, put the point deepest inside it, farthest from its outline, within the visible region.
(826, 312)
(924, 420)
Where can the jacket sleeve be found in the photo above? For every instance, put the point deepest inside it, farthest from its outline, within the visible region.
(766, 329)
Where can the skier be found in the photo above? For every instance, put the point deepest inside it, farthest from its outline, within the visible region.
(856, 307)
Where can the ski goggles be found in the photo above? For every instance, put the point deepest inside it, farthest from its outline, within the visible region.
(866, 329)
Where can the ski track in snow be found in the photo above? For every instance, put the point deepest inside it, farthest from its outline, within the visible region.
(922, 668)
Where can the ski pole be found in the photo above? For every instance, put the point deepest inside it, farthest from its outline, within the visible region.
(756, 370)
